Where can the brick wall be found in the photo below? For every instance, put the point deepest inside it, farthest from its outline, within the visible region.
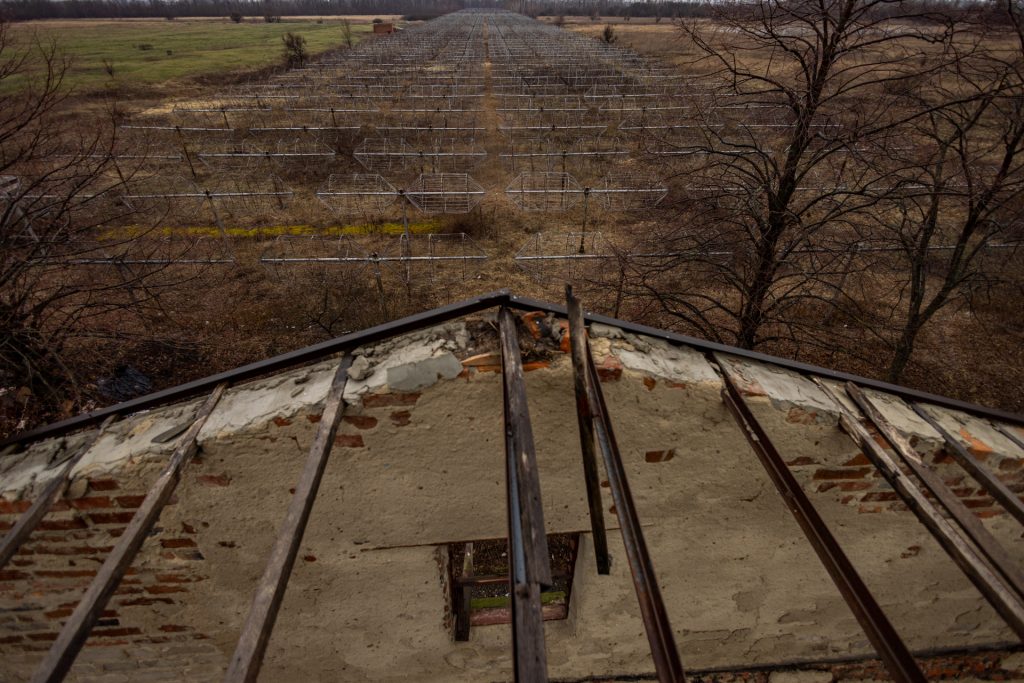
(41, 585)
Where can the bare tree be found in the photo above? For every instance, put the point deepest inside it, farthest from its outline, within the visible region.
(956, 214)
(59, 183)
(798, 99)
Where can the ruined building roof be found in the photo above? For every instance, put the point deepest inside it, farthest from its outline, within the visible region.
(204, 495)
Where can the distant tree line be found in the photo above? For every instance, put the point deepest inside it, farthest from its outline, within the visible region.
(21, 10)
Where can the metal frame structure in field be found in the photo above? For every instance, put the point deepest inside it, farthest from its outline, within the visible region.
(978, 554)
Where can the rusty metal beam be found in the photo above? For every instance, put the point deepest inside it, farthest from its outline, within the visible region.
(667, 664)
(29, 519)
(585, 421)
(529, 560)
(865, 608)
(993, 484)
(1001, 596)
(969, 523)
(76, 630)
(259, 624)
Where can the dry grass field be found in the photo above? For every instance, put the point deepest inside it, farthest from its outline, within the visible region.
(222, 316)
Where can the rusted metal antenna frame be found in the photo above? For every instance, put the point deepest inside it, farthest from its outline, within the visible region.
(869, 614)
(969, 524)
(76, 630)
(585, 420)
(259, 624)
(652, 607)
(1001, 596)
(993, 484)
(30, 519)
(529, 560)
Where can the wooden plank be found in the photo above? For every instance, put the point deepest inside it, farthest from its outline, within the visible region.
(75, 632)
(30, 519)
(660, 637)
(523, 454)
(585, 422)
(1002, 598)
(967, 520)
(877, 627)
(529, 562)
(993, 484)
(259, 624)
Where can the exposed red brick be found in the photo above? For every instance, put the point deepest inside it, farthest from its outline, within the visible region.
(282, 421)
(91, 503)
(129, 501)
(111, 517)
(401, 418)
(177, 543)
(650, 383)
(14, 507)
(989, 513)
(660, 456)
(42, 636)
(978, 502)
(387, 400)
(941, 457)
(978, 447)
(854, 485)
(361, 421)
(1010, 464)
(858, 460)
(610, 369)
(880, 497)
(309, 558)
(349, 440)
(869, 508)
(13, 575)
(115, 632)
(911, 551)
(5, 525)
(65, 573)
(133, 602)
(62, 524)
(798, 415)
(70, 550)
(802, 460)
(162, 589)
(173, 628)
(214, 479)
(60, 613)
(179, 578)
(849, 473)
(313, 418)
(7, 640)
(187, 528)
(103, 485)
(536, 365)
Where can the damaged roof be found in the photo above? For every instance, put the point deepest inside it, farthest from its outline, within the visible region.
(908, 503)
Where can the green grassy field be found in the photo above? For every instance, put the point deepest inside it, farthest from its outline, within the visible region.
(150, 52)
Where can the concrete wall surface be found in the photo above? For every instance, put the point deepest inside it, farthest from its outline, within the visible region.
(418, 464)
